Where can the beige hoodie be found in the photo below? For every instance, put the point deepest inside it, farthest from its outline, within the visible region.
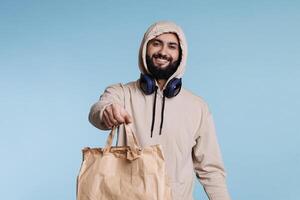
(188, 135)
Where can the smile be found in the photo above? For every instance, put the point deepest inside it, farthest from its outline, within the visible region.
(161, 61)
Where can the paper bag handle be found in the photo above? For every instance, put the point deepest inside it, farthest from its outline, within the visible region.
(130, 137)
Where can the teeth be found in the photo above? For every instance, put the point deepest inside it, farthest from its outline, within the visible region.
(161, 59)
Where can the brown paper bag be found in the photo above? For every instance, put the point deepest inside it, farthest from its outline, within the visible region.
(123, 172)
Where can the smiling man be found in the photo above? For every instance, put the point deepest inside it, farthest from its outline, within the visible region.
(185, 130)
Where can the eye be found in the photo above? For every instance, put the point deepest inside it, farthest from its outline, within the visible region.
(173, 47)
(155, 43)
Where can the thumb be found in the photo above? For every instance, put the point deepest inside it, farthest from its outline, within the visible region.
(128, 118)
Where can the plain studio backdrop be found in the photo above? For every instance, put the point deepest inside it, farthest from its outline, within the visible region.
(57, 57)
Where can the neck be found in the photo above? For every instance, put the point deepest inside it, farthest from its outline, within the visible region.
(161, 83)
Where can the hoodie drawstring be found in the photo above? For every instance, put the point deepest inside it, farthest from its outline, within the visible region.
(162, 113)
(153, 112)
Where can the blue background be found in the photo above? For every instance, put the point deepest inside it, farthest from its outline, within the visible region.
(57, 57)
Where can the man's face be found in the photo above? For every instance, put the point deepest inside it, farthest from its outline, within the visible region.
(163, 55)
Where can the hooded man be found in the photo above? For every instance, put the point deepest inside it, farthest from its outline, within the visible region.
(163, 112)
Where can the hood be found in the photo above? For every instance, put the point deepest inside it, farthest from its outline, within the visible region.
(157, 29)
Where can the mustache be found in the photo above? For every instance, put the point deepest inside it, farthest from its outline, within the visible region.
(158, 55)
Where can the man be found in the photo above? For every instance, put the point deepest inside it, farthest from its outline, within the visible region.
(183, 124)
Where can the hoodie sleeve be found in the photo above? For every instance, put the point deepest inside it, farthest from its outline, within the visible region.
(208, 164)
(112, 94)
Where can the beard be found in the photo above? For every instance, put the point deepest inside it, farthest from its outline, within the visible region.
(159, 73)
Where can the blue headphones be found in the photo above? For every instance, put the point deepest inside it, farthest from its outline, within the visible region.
(147, 84)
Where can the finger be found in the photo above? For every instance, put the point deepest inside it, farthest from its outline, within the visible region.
(107, 125)
(111, 115)
(127, 117)
(106, 119)
(117, 114)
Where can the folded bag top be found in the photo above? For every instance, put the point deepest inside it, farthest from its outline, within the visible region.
(133, 149)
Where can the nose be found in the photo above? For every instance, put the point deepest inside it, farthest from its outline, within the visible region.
(163, 50)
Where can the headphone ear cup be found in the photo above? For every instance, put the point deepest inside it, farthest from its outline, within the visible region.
(147, 84)
(173, 87)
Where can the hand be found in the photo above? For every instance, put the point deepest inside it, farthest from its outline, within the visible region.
(114, 115)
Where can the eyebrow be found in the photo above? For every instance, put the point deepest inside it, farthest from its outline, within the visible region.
(172, 43)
